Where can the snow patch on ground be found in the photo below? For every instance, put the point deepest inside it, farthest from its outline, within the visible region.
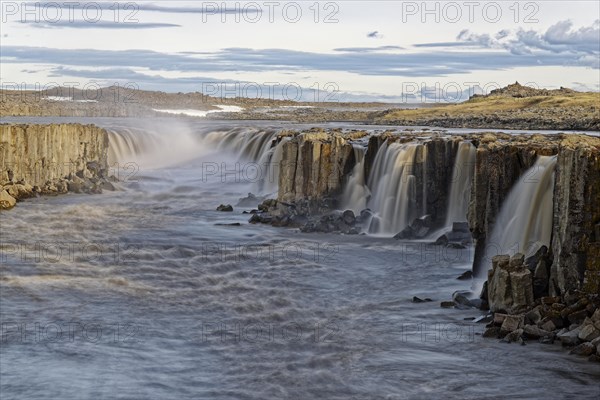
(201, 113)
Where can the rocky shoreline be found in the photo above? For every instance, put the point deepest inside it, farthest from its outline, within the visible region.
(517, 294)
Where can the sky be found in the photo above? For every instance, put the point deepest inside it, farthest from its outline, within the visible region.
(397, 51)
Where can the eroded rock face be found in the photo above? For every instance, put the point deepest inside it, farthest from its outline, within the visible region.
(500, 162)
(313, 166)
(576, 226)
(316, 163)
(52, 159)
(510, 285)
(36, 154)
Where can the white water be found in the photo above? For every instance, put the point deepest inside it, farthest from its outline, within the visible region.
(269, 163)
(248, 155)
(462, 177)
(356, 191)
(525, 220)
(393, 200)
(151, 148)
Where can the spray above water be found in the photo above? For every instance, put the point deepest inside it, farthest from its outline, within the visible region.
(255, 153)
(154, 146)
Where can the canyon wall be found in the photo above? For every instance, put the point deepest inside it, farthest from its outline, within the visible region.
(576, 225)
(500, 162)
(315, 165)
(51, 158)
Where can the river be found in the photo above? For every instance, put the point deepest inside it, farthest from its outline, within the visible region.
(149, 293)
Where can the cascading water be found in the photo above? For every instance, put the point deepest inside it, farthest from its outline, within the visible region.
(394, 187)
(462, 177)
(269, 163)
(157, 148)
(356, 191)
(525, 220)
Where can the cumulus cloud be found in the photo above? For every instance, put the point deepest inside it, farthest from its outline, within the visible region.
(562, 33)
(579, 46)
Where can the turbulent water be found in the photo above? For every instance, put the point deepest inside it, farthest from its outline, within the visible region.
(145, 293)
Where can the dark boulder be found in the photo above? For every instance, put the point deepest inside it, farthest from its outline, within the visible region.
(348, 217)
(225, 208)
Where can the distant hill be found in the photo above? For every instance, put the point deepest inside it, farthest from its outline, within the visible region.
(512, 107)
(517, 90)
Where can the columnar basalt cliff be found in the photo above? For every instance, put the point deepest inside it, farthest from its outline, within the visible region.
(313, 166)
(501, 159)
(50, 159)
(576, 225)
(433, 168)
(316, 164)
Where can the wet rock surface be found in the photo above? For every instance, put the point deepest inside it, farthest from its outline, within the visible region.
(573, 321)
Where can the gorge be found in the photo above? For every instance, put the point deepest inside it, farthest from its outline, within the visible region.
(515, 190)
(459, 189)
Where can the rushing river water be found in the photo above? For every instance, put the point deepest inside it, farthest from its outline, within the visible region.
(143, 293)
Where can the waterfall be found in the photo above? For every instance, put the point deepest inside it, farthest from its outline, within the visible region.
(394, 187)
(423, 162)
(524, 223)
(152, 146)
(356, 192)
(252, 149)
(460, 190)
(270, 162)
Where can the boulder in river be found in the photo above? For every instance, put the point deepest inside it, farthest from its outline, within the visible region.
(250, 201)
(510, 285)
(418, 229)
(6, 200)
(225, 208)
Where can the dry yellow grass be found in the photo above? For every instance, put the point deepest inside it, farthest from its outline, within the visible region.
(493, 104)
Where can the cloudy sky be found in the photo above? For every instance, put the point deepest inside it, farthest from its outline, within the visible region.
(349, 50)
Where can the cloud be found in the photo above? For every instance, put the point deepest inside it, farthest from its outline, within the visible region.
(578, 46)
(367, 49)
(207, 8)
(561, 33)
(99, 25)
(444, 44)
(374, 35)
(360, 61)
